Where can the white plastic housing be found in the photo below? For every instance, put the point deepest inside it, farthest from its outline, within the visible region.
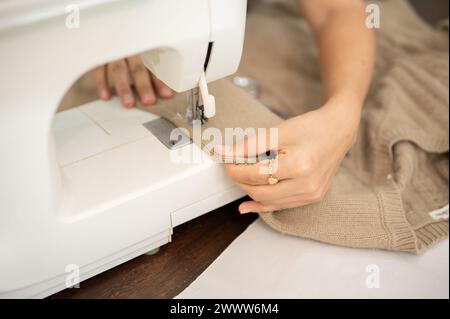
(52, 214)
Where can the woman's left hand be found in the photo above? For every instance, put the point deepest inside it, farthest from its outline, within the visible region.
(310, 150)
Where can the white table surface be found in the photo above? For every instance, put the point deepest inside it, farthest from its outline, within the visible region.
(262, 263)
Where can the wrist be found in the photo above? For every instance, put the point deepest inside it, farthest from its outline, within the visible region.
(343, 114)
(346, 99)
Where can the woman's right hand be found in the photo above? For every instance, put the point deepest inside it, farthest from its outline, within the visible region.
(122, 73)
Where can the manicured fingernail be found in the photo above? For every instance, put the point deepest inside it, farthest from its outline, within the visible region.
(148, 99)
(244, 211)
(128, 100)
(104, 95)
(166, 92)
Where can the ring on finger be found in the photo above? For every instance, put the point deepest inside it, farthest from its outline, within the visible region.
(272, 180)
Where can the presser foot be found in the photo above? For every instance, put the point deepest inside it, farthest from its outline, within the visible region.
(195, 110)
(201, 115)
(200, 111)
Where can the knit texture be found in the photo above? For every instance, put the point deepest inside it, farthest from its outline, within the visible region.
(397, 172)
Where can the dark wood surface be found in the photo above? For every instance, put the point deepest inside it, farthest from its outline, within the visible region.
(195, 245)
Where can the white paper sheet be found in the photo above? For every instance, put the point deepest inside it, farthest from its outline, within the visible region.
(262, 263)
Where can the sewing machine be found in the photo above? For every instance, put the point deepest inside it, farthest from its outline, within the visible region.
(92, 187)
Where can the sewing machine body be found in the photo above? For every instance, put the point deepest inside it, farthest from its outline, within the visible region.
(91, 187)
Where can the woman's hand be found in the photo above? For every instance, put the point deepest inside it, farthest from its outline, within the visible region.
(311, 147)
(121, 73)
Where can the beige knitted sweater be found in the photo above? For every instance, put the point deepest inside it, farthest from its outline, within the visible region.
(397, 174)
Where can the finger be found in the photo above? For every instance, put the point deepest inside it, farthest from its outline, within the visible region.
(257, 207)
(253, 207)
(307, 189)
(304, 198)
(120, 78)
(262, 142)
(267, 193)
(298, 200)
(163, 90)
(101, 83)
(142, 80)
(257, 174)
(288, 202)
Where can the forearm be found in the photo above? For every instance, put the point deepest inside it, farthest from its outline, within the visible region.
(312, 145)
(347, 51)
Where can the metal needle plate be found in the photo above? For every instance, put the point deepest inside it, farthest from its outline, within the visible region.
(163, 130)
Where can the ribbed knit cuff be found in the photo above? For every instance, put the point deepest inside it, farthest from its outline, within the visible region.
(401, 235)
(431, 234)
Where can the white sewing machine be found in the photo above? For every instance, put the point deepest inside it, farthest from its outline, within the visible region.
(92, 187)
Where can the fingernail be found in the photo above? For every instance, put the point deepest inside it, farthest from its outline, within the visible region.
(244, 209)
(148, 99)
(128, 100)
(165, 91)
(104, 95)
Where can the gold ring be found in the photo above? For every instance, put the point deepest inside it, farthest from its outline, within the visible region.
(271, 179)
